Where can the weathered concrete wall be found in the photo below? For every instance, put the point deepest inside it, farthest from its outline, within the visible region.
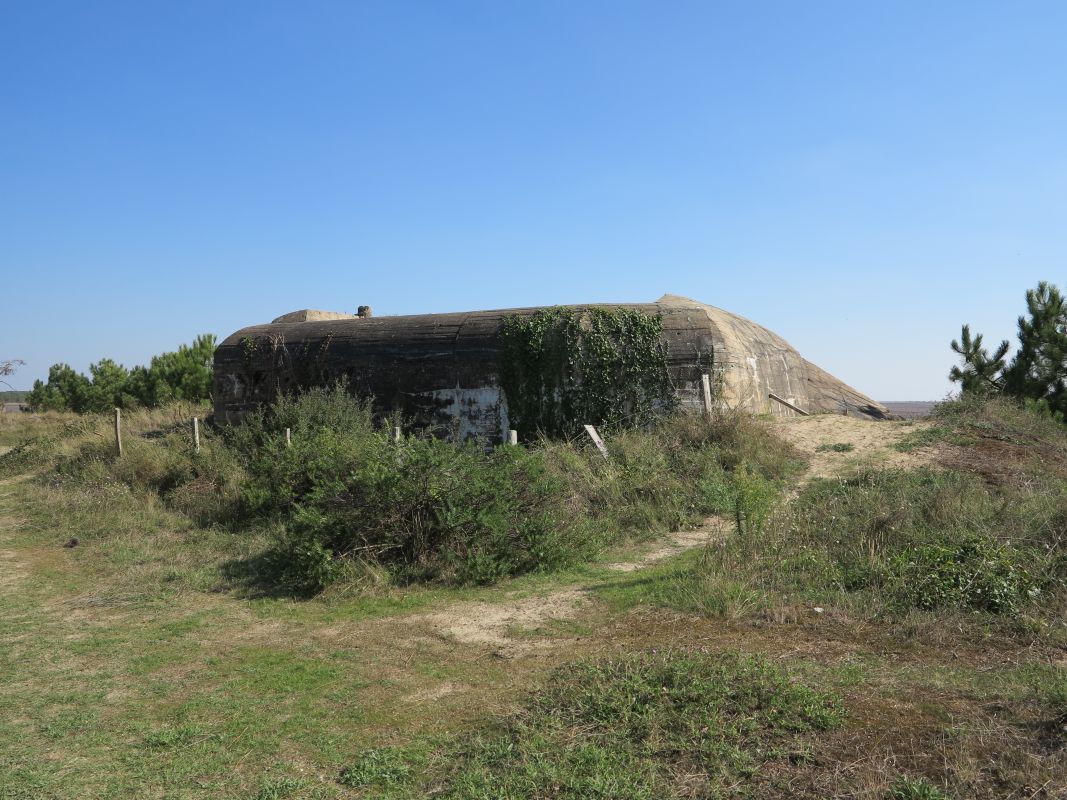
(752, 362)
(441, 370)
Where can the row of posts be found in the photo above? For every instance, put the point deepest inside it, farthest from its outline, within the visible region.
(513, 435)
(118, 432)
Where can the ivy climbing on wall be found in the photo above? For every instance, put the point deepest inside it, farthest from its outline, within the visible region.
(563, 367)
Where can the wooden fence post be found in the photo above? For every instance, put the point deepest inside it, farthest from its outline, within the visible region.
(118, 431)
(597, 440)
(396, 434)
(196, 434)
(288, 438)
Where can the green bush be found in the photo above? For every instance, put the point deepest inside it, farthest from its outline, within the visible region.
(380, 767)
(753, 499)
(343, 494)
(431, 510)
(971, 572)
(836, 447)
(925, 539)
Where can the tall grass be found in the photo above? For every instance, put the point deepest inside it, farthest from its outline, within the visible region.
(990, 539)
(343, 495)
(924, 539)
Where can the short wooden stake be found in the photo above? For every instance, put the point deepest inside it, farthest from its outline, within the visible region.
(288, 438)
(597, 440)
(513, 437)
(118, 431)
(196, 434)
(396, 434)
(705, 382)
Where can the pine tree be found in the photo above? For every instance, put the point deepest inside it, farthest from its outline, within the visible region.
(185, 374)
(980, 372)
(1038, 370)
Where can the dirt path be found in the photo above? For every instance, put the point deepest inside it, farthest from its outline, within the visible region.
(500, 626)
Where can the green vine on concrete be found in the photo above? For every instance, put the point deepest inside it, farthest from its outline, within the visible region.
(563, 367)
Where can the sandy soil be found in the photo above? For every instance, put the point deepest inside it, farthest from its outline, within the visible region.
(494, 624)
(872, 443)
(497, 625)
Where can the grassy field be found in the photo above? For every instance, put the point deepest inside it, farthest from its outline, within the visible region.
(895, 630)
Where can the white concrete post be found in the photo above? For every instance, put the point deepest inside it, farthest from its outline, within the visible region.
(705, 383)
(597, 440)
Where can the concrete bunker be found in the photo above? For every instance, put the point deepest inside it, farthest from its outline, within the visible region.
(442, 371)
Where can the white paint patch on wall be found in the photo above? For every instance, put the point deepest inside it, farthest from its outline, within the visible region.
(480, 413)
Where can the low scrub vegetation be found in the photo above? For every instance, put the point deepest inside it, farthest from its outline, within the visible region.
(926, 539)
(836, 447)
(904, 631)
(646, 725)
(343, 497)
(984, 532)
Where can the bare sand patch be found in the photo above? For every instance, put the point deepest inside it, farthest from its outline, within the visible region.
(494, 625)
(872, 443)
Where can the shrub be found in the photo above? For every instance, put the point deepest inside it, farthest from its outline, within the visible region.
(344, 494)
(380, 767)
(970, 572)
(753, 498)
(430, 510)
(926, 539)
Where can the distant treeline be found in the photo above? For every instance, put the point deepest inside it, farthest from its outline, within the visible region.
(184, 374)
(13, 397)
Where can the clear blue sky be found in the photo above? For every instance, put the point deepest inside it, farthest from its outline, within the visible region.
(860, 177)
